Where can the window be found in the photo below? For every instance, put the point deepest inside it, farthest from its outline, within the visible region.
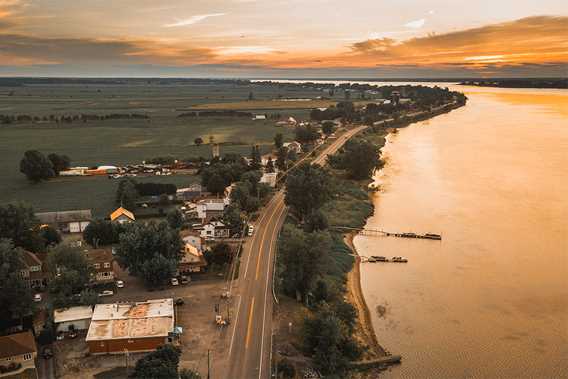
(130, 341)
(107, 265)
(106, 273)
(27, 357)
(97, 265)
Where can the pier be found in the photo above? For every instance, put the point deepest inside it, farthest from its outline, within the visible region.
(380, 232)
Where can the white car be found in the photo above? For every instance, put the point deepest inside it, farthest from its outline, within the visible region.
(250, 230)
(37, 297)
(175, 282)
(119, 284)
(106, 293)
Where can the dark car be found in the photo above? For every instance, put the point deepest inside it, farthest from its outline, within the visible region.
(47, 353)
(179, 301)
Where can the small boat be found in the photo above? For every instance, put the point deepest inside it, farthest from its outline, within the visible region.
(378, 258)
(371, 260)
(433, 236)
(399, 260)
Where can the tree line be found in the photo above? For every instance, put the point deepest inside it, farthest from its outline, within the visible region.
(84, 117)
(37, 167)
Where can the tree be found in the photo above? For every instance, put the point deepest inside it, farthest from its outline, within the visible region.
(89, 297)
(49, 235)
(59, 162)
(281, 157)
(160, 364)
(302, 257)
(233, 219)
(251, 96)
(19, 223)
(360, 158)
(327, 127)
(278, 140)
(15, 296)
(216, 184)
(158, 270)
(269, 165)
(306, 134)
(126, 193)
(316, 221)
(70, 273)
(174, 218)
(140, 243)
(198, 141)
(36, 166)
(256, 160)
(102, 233)
(307, 189)
(220, 254)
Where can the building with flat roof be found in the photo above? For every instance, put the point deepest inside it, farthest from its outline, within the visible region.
(133, 327)
(73, 318)
(66, 221)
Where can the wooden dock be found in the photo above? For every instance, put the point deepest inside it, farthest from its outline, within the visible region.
(374, 232)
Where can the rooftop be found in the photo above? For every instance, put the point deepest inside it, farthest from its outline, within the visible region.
(152, 318)
(72, 314)
(121, 211)
(64, 216)
(99, 255)
(17, 344)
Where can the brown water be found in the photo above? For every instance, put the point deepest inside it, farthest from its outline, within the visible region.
(491, 299)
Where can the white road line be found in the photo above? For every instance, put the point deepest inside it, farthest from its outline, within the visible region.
(266, 289)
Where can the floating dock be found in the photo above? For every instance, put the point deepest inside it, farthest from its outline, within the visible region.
(427, 236)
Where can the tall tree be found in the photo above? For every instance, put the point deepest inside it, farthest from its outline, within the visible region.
(19, 223)
(126, 194)
(174, 219)
(140, 243)
(15, 296)
(160, 364)
(59, 162)
(278, 140)
(102, 233)
(36, 166)
(256, 160)
(281, 158)
(70, 272)
(307, 189)
(198, 141)
(270, 165)
(360, 158)
(157, 271)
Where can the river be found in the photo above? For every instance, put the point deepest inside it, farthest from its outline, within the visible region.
(491, 299)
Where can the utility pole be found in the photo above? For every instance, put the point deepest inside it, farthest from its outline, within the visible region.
(208, 364)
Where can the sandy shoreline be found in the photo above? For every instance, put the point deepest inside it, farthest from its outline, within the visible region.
(365, 332)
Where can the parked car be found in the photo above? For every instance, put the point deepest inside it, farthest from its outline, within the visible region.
(47, 352)
(72, 334)
(37, 297)
(120, 284)
(250, 230)
(106, 293)
(179, 301)
(174, 282)
(185, 279)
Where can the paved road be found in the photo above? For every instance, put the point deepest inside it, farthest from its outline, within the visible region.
(249, 351)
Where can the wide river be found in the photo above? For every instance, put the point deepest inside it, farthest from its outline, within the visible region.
(491, 299)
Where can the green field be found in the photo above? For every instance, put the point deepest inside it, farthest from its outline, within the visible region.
(115, 142)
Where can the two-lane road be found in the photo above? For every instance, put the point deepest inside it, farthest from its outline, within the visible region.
(250, 344)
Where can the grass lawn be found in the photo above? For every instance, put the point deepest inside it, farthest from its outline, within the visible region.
(267, 105)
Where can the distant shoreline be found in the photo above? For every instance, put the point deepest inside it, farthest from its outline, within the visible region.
(552, 83)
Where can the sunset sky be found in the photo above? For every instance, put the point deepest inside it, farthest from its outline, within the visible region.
(284, 38)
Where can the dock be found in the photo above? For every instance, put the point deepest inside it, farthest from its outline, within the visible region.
(374, 231)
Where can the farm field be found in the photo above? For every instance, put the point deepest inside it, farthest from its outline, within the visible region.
(267, 105)
(121, 141)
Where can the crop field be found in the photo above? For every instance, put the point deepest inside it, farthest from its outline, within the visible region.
(121, 141)
(267, 105)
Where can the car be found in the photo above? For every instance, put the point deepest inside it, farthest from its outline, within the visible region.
(106, 293)
(179, 301)
(47, 352)
(174, 282)
(72, 334)
(185, 279)
(120, 284)
(250, 230)
(60, 336)
(37, 297)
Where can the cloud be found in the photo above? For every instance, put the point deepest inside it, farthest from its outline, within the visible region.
(416, 24)
(193, 20)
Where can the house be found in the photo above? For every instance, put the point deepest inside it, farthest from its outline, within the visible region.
(18, 354)
(293, 146)
(192, 260)
(122, 215)
(74, 318)
(190, 193)
(214, 230)
(33, 272)
(131, 327)
(193, 240)
(210, 208)
(269, 178)
(66, 221)
(101, 261)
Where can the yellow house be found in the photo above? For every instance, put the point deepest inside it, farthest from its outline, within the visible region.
(122, 215)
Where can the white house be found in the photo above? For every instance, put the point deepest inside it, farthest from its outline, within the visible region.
(74, 318)
(210, 208)
(214, 230)
(293, 146)
(269, 178)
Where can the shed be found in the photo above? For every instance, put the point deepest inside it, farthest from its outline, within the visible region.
(67, 221)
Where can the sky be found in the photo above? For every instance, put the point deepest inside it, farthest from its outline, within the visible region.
(284, 38)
